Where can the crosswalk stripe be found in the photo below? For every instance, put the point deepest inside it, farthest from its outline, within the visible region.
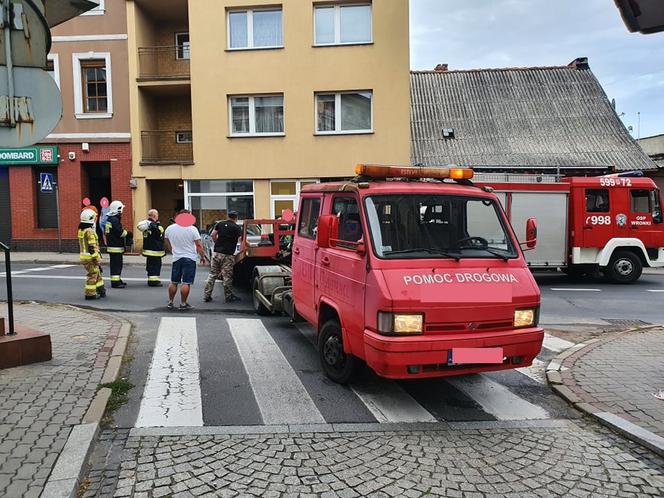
(172, 396)
(279, 393)
(385, 399)
(536, 371)
(496, 399)
(556, 344)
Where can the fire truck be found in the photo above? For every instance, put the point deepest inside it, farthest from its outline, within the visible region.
(414, 271)
(587, 226)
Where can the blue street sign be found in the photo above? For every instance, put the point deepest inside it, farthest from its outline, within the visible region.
(46, 182)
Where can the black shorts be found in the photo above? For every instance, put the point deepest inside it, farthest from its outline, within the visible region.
(184, 271)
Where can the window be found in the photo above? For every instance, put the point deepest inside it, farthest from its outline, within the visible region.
(347, 112)
(342, 24)
(97, 11)
(640, 201)
(211, 200)
(597, 200)
(93, 90)
(182, 48)
(350, 225)
(53, 68)
(309, 213)
(249, 29)
(47, 204)
(284, 195)
(259, 115)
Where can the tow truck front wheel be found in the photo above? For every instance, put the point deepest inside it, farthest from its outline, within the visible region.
(624, 267)
(337, 365)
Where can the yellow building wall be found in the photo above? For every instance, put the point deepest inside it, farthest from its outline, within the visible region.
(298, 70)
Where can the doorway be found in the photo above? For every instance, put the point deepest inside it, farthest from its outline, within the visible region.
(99, 181)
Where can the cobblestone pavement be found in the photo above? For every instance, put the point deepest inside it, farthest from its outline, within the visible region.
(567, 459)
(620, 374)
(40, 403)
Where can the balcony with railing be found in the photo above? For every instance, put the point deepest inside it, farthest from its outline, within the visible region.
(164, 63)
(167, 147)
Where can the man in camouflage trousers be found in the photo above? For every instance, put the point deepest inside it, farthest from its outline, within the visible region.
(90, 256)
(225, 235)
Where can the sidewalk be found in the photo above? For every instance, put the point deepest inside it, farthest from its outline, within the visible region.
(49, 412)
(613, 379)
(70, 258)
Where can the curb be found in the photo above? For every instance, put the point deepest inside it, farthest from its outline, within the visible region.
(65, 477)
(618, 424)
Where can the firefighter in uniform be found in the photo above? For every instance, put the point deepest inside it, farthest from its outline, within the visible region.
(88, 243)
(116, 239)
(153, 246)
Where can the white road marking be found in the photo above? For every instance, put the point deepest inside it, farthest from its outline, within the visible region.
(385, 399)
(279, 393)
(536, 371)
(68, 277)
(31, 270)
(496, 399)
(556, 344)
(561, 289)
(63, 266)
(655, 290)
(172, 396)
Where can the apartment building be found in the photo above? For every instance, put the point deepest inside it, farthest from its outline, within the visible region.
(88, 155)
(236, 104)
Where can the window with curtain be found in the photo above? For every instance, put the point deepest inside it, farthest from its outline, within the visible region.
(344, 112)
(257, 115)
(343, 24)
(255, 28)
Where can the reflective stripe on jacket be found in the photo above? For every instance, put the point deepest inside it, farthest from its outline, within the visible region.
(115, 235)
(88, 244)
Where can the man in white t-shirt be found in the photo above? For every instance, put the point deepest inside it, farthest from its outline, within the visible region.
(184, 242)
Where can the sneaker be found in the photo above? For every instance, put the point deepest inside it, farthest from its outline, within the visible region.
(186, 307)
(170, 306)
(207, 299)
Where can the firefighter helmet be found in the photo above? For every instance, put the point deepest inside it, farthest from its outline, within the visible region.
(115, 208)
(88, 216)
(143, 225)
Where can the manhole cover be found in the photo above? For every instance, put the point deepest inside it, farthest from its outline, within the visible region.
(622, 322)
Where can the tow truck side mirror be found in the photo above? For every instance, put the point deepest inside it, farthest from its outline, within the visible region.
(531, 234)
(328, 228)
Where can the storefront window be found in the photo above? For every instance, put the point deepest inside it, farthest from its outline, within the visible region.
(284, 195)
(211, 200)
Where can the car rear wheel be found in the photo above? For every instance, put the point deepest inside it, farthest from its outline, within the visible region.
(337, 364)
(259, 307)
(625, 267)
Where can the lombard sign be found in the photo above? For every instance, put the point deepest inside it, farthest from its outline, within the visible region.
(29, 155)
(30, 103)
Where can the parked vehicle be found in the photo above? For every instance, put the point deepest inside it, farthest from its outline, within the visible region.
(409, 272)
(609, 224)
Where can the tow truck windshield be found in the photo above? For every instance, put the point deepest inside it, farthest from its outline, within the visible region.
(416, 226)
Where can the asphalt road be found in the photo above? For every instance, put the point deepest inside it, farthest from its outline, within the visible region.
(230, 367)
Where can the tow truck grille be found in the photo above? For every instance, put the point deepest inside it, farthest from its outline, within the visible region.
(467, 327)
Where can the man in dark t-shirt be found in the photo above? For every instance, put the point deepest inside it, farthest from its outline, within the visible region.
(225, 235)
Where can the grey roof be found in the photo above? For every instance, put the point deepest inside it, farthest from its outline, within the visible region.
(539, 117)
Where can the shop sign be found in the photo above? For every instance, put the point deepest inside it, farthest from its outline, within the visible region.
(29, 155)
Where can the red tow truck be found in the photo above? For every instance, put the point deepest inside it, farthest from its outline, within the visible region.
(609, 224)
(415, 271)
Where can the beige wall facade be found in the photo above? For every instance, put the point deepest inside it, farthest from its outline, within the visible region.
(297, 70)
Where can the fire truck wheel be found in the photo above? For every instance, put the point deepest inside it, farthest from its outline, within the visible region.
(624, 268)
(337, 365)
(259, 307)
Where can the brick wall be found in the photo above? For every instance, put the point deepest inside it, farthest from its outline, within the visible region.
(72, 185)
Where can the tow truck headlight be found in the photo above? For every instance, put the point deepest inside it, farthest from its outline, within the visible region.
(525, 318)
(400, 323)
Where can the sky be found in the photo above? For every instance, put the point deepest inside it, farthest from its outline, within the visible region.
(471, 34)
